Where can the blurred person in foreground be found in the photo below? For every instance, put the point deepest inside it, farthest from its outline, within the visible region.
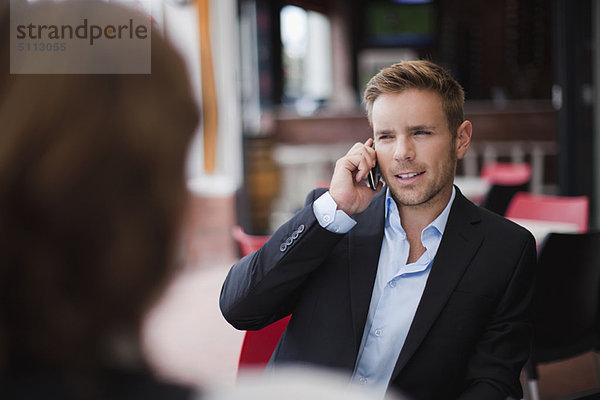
(91, 198)
(409, 286)
(295, 383)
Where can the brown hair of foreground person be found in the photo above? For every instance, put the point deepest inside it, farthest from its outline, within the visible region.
(91, 199)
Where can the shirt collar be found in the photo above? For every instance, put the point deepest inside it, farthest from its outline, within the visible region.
(391, 210)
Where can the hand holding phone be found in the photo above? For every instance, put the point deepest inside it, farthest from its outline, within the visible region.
(347, 187)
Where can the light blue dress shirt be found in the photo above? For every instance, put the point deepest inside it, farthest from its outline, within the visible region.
(397, 291)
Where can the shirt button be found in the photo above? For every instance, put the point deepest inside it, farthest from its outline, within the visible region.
(326, 218)
(283, 247)
(362, 380)
(378, 332)
(295, 235)
(289, 241)
(300, 228)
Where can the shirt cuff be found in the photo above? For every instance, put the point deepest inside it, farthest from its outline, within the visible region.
(329, 217)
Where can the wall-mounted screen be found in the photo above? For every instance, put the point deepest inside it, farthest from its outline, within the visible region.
(400, 24)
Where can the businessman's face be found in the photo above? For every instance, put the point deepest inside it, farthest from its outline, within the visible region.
(416, 152)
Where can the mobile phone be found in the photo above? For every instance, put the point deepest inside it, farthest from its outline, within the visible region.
(374, 175)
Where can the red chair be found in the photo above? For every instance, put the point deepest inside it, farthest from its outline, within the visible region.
(247, 243)
(257, 346)
(505, 180)
(506, 174)
(573, 209)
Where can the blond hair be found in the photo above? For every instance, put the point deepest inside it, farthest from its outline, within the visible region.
(422, 75)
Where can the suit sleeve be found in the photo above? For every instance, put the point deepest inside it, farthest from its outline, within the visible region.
(262, 287)
(494, 369)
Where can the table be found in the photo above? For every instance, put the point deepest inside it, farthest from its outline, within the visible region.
(473, 187)
(541, 228)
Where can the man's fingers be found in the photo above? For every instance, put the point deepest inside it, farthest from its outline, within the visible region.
(365, 152)
(362, 148)
(362, 158)
(360, 165)
(357, 148)
(346, 188)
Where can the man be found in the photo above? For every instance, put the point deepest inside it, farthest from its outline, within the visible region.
(411, 286)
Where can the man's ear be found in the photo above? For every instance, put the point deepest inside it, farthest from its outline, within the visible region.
(463, 139)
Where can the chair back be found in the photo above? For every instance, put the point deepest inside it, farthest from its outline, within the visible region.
(573, 209)
(257, 346)
(247, 243)
(506, 174)
(566, 304)
(506, 179)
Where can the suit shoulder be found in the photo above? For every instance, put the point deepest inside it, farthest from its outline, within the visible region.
(493, 225)
(503, 226)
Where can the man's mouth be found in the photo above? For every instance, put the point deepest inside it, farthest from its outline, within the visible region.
(410, 175)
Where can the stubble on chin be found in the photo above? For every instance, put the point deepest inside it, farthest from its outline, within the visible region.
(413, 196)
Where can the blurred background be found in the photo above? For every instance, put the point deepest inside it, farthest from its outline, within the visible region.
(286, 80)
(280, 83)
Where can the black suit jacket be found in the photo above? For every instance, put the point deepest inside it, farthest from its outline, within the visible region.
(470, 335)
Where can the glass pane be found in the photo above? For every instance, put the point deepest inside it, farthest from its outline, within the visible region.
(306, 59)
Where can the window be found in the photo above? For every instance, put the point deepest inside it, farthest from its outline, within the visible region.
(306, 59)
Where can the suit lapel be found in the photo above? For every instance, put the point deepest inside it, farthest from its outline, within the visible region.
(364, 246)
(462, 237)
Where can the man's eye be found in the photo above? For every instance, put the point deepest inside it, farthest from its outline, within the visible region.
(422, 133)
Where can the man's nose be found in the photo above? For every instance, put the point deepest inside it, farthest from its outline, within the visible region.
(404, 150)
